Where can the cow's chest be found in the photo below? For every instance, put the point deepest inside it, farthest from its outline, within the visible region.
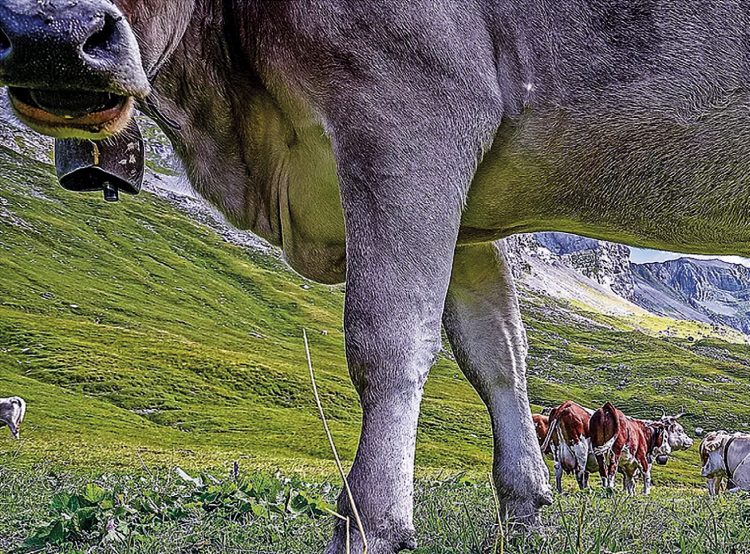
(310, 213)
(290, 155)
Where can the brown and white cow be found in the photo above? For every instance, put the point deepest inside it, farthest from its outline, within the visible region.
(12, 412)
(631, 445)
(568, 439)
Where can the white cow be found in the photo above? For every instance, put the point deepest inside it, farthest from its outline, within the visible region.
(726, 456)
(12, 412)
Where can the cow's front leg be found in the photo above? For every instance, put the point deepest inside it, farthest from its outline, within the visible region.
(581, 451)
(647, 481)
(402, 203)
(710, 484)
(483, 323)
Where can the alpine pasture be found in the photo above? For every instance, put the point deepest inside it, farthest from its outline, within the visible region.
(144, 342)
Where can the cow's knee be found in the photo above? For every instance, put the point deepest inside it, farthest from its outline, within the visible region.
(390, 348)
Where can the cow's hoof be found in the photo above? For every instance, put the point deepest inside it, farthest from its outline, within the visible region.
(522, 510)
(377, 543)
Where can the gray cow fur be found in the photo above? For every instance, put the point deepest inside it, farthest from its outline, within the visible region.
(433, 128)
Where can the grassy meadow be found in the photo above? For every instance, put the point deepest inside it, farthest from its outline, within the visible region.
(453, 515)
(142, 341)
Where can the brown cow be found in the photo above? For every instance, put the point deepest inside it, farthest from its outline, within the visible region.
(630, 445)
(568, 439)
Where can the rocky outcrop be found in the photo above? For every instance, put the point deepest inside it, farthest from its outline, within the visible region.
(603, 262)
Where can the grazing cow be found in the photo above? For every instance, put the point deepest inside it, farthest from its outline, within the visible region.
(568, 438)
(630, 445)
(12, 412)
(392, 143)
(726, 456)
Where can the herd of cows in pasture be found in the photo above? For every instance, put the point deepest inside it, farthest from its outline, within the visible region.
(582, 441)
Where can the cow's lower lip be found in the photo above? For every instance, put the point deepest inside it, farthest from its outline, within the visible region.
(71, 113)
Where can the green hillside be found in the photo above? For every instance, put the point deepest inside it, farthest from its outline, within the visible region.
(136, 334)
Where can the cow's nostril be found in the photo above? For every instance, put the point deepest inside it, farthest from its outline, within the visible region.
(103, 39)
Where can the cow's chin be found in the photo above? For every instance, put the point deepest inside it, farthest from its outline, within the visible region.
(106, 118)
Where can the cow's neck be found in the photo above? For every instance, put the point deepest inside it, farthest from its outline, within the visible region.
(206, 95)
(652, 433)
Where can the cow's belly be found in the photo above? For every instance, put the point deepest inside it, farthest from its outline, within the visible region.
(653, 182)
(648, 181)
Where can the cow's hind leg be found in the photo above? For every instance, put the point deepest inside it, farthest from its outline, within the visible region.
(628, 483)
(483, 323)
(612, 473)
(601, 462)
(581, 478)
(608, 463)
(558, 475)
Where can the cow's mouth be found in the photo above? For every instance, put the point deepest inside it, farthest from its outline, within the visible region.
(72, 113)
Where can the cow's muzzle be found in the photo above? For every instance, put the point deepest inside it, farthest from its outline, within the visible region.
(73, 68)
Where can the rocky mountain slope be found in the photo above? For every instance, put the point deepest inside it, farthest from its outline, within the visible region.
(710, 291)
(701, 290)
